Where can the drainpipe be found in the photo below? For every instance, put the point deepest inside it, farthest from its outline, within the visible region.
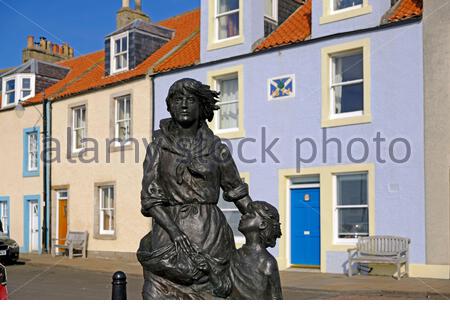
(46, 225)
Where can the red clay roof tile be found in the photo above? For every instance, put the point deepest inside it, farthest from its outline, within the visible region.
(187, 55)
(406, 9)
(296, 28)
(88, 71)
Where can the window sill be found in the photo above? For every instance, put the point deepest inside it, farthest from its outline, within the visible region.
(119, 148)
(225, 43)
(231, 135)
(27, 174)
(345, 14)
(329, 123)
(105, 236)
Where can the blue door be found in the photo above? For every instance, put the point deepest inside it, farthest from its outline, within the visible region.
(305, 226)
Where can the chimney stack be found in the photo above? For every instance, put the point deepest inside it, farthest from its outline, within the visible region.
(45, 50)
(126, 15)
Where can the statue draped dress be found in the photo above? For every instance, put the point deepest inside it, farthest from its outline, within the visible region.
(184, 176)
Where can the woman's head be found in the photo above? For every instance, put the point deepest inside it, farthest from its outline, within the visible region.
(269, 225)
(207, 98)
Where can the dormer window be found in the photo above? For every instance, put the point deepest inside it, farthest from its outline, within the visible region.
(17, 87)
(119, 52)
(227, 19)
(271, 10)
(337, 10)
(346, 4)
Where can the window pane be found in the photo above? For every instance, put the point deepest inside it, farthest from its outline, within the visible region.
(117, 46)
(124, 44)
(118, 62)
(79, 136)
(26, 83)
(269, 8)
(124, 130)
(227, 5)
(348, 68)
(10, 97)
(106, 220)
(4, 217)
(26, 93)
(232, 214)
(111, 197)
(229, 26)
(353, 222)
(349, 98)
(228, 116)
(228, 89)
(10, 85)
(342, 4)
(352, 189)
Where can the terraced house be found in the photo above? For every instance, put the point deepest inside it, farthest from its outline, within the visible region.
(328, 107)
(103, 100)
(323, 104)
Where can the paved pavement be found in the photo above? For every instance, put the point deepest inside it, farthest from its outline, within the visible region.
(43, 277)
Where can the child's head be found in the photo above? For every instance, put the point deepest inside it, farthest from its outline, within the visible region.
(269, 226)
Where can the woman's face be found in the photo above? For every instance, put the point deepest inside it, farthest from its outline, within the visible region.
(185, 108)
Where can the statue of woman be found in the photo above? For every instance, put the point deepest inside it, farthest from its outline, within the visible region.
(187, 254)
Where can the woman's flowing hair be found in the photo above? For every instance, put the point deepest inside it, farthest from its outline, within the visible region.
(208, 98)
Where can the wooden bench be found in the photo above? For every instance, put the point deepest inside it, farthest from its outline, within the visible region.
(381, 249)
(74, 241)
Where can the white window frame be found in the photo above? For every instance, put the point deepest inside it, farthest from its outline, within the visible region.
(114, 55)
(274, 11)
(4, 216)
(333, 11)
(18, 89)
(336, 238)
(332, 86)
(117, 121)
(329, 118)
(217, 15)
(330, 15)
(234, 75)
(75, 129)
(33, 154)
(102, 209)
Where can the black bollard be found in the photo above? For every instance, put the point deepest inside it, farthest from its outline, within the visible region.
(119, 286)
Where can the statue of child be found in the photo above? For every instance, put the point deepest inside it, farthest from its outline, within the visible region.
(254, 271)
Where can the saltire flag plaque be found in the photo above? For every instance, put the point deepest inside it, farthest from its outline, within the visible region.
(281, 87)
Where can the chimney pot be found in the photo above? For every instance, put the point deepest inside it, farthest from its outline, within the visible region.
(42, 42)
(138, 5)
(125, 3)
(30, 42)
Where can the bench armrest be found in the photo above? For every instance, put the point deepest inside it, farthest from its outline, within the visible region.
(352, 249)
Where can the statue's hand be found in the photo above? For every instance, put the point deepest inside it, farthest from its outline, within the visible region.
(181, 241)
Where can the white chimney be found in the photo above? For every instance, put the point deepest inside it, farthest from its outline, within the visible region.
(125, 3)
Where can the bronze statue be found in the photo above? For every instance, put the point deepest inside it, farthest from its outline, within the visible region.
(187, 254)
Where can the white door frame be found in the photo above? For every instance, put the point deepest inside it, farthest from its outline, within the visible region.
(34, 224)
(59, 197)
(292, 186)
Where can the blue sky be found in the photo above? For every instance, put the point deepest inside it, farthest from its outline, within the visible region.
(83, 24)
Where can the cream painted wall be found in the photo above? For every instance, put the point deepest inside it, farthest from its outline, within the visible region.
(12, 182)
(81, 178)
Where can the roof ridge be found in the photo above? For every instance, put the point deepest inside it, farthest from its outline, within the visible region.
(172, 52)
